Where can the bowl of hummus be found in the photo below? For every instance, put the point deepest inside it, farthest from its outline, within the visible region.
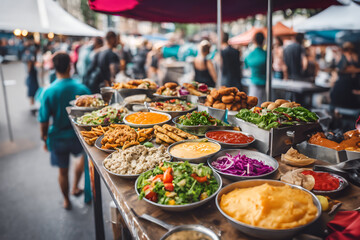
(268, 209)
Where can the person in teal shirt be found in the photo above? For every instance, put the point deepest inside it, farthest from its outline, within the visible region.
(60, 138)
(256, 61)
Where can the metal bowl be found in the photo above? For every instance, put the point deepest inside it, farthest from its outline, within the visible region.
(132, 176)
(258, 232)
(193, 160)
(199, 130)
(231, 145)
(192, 227)
(172, 113)
(266, 159)
(98, 145)
(145, 125)
(186, 207)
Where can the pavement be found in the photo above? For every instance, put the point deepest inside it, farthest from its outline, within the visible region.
(30, 197)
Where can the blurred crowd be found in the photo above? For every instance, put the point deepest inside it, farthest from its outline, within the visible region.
(99, 62)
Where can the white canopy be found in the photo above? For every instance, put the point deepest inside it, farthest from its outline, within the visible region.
(345, 17)
(42, 16)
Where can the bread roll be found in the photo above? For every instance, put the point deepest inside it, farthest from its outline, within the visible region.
(219, 105)
(272, 106)
(281, 101)
(170, 85)
(215, 93)
(227, 99)
(210, 99)
(287, 105)
(265, 104)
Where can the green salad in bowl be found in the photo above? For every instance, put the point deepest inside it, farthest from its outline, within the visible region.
(105, 116)
(198, 123)
(177, 186)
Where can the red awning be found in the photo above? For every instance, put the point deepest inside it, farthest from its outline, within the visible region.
(246, 37)
(281, 30)
(196, 11)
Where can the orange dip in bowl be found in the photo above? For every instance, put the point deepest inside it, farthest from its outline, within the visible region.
(146, 118)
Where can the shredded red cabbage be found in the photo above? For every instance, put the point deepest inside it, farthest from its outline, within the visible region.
(241, 165)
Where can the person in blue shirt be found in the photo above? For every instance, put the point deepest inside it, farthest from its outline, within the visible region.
(60, 138)
(256, 61)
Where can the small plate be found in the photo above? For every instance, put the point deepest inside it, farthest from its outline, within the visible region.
(98, 145)
(343, 184)
(90, 125)
(231, 145)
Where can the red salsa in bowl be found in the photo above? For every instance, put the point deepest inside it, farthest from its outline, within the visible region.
(230, 137)
(323, 181)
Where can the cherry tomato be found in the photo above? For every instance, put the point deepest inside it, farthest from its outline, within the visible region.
(168, 178)
(161, 176)
(199, 179)
(152, 196)
(169, 187)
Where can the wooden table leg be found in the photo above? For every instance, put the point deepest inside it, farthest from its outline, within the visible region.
(98, 213)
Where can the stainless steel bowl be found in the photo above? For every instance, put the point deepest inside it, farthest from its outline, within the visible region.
(145, 125)
(258, 232)
(186, 207)
(193, 227)
(199, 130)
(266, 159)
(173, 113)
(231, 145)
(98, 145)
(193, 160)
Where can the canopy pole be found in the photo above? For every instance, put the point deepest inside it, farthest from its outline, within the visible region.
(5, 100)
(219, 36)
(269, 51)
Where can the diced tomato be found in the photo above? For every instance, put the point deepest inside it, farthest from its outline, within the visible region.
(168, 178)
(152, 196)
(159, 176)
(172, 100)
(169, 187)
(199, 179)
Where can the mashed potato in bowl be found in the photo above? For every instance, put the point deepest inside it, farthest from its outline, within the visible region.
(268, 206)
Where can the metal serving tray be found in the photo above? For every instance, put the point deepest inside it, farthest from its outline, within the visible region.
(277, 140)
(326, 154)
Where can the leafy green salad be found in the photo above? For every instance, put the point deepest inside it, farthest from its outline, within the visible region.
(177, 183)
(200, 119)
(278, 117)
(106, 115)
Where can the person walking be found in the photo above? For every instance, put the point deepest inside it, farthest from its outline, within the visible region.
(278, 59)
(105, 66)
(204, 68)
(346, 91)
(231, 66)
(256, 61)
(29, 58)
(60, 138)
(294, 57)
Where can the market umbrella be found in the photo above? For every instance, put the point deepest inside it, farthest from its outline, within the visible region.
(281, 30)
(204, 11)
(346, 17)
(42, 16)
(199, 11)
(246, 37)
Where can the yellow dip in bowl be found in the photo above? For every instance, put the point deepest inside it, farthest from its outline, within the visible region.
(194, 149)
(271, 207)
(146, 118)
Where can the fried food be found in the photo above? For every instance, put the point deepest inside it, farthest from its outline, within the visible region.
(168, 134)
(137, 83)
(229, 98)
(124, 136)
(95, 132)
(293, 158)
